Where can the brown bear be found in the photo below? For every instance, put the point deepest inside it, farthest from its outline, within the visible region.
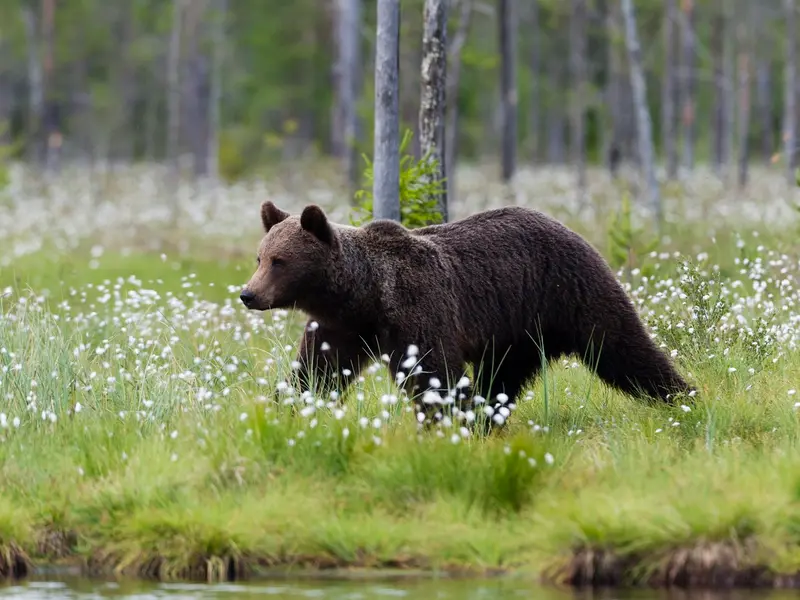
(503, 289)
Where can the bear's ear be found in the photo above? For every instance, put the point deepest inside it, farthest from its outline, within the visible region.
(314, 221)
(271, 215)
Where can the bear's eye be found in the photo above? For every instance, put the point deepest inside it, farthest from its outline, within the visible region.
(278, 262)
(258, 260)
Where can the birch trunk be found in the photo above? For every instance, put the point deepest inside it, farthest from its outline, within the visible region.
(669, 93)
(433, 76)
(764, 109)
(215, 108)
(35, 86)
(507, 17)
(744, 68)
(451, 106)
(721, 97)
(790, 84)
(688, 39)
(578, 92)
(386, 184)
(349, 75)
(534, 126)
(174, 89)
(644, 126)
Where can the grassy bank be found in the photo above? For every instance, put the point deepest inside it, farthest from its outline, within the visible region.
(145, 430)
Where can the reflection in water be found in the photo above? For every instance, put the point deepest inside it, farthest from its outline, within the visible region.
(418, 589)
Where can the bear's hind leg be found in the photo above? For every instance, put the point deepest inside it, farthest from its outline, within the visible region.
(635, 366)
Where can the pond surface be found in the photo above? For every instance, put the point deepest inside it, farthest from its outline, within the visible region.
(354, 589)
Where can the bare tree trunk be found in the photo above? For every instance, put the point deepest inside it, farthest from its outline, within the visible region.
(6, 94)
(643, 122)
(615, 90)
(688, 38)
(669, 93)
(174, 89)
(451, 105)
(534, 121)
(51, 108)
(197, 87)
(790, 83)
(410, 60)
(764, 108)
(578, 92)
(730, 87)
(35, 86)
(720, 94)
(744, 100)
(556, 144)
(763, 85)
(386, 184)
(215, 109)
(433, 98)
(507, 17)
(349, 75)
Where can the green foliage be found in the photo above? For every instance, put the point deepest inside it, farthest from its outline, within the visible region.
(628, 246)
(232, 163)
(419, 189)
(7, 152)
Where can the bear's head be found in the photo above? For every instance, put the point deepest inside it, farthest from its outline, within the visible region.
(294, 259)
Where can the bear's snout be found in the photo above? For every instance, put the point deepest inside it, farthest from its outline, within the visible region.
(247, 297)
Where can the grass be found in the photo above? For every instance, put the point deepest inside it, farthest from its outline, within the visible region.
(144, 429)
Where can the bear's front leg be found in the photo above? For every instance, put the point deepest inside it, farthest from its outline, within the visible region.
(329, 359)
(427, 377)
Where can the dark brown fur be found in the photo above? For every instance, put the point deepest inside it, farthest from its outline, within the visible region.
(497, 289)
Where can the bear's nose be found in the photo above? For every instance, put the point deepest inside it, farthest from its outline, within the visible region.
(247, 297)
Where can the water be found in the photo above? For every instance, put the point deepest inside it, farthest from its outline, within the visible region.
(354, 589)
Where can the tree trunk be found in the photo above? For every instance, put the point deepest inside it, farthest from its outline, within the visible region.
(688, 39)
(789, 108)
(197, 87)
(433, 76)
(507, 17)
(349, 76)
(764, 109)
(174, 89)
(763, 76)
(721, 96)
(451, 105)
(386, 184)
(35, 86)
(6, 94)
(614, 89)
(52, 115)
(534, 120)
(744, 67)
(644, 126)
(578, 71)
(215, 109)
(730, 87)
(556, 143)
(669, 92)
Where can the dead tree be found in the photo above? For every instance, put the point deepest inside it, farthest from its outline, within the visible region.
(643, 122)
(455, 47)
(433, 95)
(790, 90)
(386, 183)
(507, 18)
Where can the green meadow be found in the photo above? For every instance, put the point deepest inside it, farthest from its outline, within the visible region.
(146, 428)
